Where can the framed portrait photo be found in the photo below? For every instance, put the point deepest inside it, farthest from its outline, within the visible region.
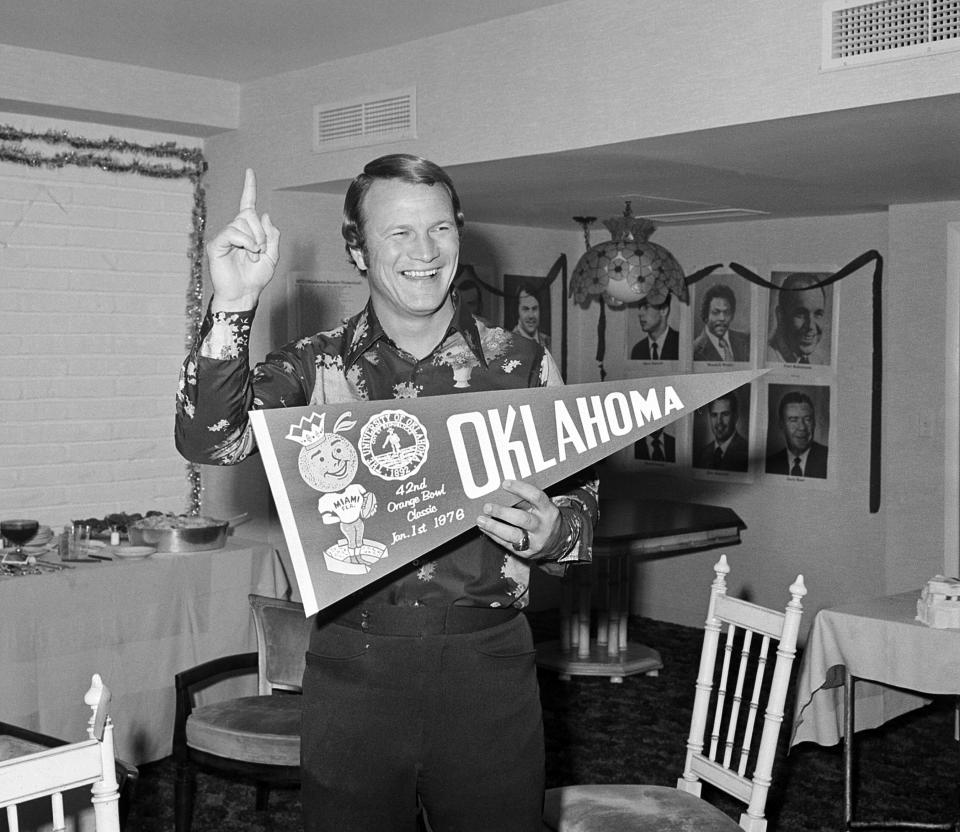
(526, 307)
(722, 437)
(722, 312)
(475, 294)
(664, 451)
(802, 319)
(798, 447)
(654, 332)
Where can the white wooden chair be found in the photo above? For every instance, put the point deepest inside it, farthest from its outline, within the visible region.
(53, 771)
(722, 750)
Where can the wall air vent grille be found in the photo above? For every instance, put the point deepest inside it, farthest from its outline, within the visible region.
(362, 123)
(887, 30)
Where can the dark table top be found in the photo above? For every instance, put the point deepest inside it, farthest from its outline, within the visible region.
(638, 519)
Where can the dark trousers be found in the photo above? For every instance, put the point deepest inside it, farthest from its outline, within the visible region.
(451, 721)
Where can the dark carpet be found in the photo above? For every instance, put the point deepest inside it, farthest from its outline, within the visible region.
(598, 732)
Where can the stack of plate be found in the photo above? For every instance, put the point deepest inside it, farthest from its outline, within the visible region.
(131, 552)
(40, 542)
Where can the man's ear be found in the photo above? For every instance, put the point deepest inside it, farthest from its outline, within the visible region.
(358, 259)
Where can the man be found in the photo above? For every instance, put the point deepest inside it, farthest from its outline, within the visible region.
(528, 317)
(657, 446)
(662, 341)
(801, 316)
(718, 342)
(728, 450)
(421, 689)
(803, 456)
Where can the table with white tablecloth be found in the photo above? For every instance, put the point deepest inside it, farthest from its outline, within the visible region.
(135, 622)
(898, 662)
(866, 663)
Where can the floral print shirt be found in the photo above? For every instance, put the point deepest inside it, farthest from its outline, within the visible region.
(357, 361)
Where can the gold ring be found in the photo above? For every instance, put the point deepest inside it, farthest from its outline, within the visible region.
(524, 543)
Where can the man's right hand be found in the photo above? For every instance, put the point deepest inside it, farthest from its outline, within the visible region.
(243, 255)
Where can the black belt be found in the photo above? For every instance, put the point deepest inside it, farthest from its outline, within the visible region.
(390, 620)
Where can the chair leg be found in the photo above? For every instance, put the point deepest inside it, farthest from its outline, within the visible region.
(126, 799)
(263, 797)
(184, 789)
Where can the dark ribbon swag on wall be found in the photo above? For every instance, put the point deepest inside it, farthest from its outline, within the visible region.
(559, 268)
(876, 395)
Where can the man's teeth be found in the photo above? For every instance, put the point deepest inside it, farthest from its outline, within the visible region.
(426, 273)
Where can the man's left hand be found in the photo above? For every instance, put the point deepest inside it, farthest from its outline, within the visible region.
(534, 521)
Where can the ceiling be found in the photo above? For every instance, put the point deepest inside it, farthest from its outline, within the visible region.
(236, 40)
(849, 161)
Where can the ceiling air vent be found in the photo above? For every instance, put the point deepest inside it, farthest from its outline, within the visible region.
(887, 30)
(362, 123)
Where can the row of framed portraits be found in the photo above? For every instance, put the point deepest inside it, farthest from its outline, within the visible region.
(782, 427)
(755, 427)
(794, 326)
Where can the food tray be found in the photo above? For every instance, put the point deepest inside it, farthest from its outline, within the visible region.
(196, 538)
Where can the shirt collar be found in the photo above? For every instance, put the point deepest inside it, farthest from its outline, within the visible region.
(367, 330)
(786, 353)
(464, 323)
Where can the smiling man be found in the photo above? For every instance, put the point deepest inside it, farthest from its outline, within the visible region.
(528, 317)
(802, 455)
(801, 318)
(420, 690)
(719, 341)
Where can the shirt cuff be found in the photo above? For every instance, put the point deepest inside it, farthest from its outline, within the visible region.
(225, 335)
(576, 539)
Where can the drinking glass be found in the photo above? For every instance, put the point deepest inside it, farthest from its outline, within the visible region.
(18, 532)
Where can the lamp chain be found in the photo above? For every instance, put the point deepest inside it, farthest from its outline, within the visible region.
(585, 223)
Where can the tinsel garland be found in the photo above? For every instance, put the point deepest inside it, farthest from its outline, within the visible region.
(58, 149)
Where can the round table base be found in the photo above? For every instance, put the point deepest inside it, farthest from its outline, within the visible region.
(636, 658)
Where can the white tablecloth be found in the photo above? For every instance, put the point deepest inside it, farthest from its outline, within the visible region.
(878, 640)
(135, 622)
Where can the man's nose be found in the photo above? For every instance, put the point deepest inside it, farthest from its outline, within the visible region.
(424, 248)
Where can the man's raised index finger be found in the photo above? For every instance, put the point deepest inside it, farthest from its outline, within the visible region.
(249, 197)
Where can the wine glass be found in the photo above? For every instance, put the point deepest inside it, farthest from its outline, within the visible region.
(18, 532)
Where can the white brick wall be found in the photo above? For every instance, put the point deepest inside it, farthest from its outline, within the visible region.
(94, 272)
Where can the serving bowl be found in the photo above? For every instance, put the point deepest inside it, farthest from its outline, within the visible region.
(179, 534)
